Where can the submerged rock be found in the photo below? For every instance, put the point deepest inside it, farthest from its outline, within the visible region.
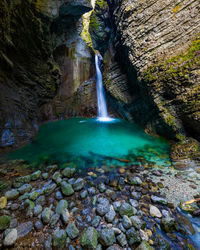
(69, 172)
(168, 224)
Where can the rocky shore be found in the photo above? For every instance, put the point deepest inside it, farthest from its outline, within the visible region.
(131, 207)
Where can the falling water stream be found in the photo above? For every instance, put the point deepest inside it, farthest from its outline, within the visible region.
(101, 99)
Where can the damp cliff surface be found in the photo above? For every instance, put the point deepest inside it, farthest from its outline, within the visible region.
(152, 65)
(32, 34)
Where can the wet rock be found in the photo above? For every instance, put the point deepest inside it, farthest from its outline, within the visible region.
(69, 172)
(136, 195)
(89, 238)
(126, 222)
(35, 175)
(38, 225)
(137, 222)
(102, 187)
(107, 237)
(110, 215)
(121, 227)
(116, 230)
(4, 222)
(57, 178)
(54, 219)
(48, 189)
(12, 194)
(72, 231)
(3, 202)
(46, 215)
(126, 209)
(96, 221)
(24, 229)
(34, 195)
(185, 223)
(59, 195)
(116, 205)
(23, 197)
(165, 213)
(10, 237)
(91, 190)
(40, 200)
(134, 203)
(25, 188)
(122, 240)
(14, 206)
(59, 239)
(155, 212)
(23, 179)
(52, 168)
(168, 224)
(61, 206)
(132, 236)
(66, 188)
(45, 176)
(103, 206)
(65, 216)
(144, 246)
(84, 194)
(134, 180)
(187, 207)
(78, 184)
(157, 199)
(161, 243)
(30, 206)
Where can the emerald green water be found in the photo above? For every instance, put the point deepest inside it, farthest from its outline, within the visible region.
(91, 141)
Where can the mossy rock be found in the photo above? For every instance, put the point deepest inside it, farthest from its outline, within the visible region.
(4, 222)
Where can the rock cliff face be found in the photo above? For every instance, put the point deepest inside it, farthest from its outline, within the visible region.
(152, 73)
(41, 55)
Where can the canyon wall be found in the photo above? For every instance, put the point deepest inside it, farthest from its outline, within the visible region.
(152, 66)
(46, 69)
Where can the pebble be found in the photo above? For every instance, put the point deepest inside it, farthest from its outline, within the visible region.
(72, 231)
(10, 237)
(110, 215)
(155, 212)
(59, 238)
(78, 184)
(89, 238)
(107, 237)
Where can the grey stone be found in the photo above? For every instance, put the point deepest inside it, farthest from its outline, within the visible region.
(54, 219)
(10, 237)
(84, 194)
(12, 194)
(37, 209)
(72, 231)
(91, 190)
(110, 215)
(46, 215)
(57, 177)
(135, 180)
(122, 240)
(38, 225)
(35, 175)
(136, 195)
(48, 243)
(96, 221)
(117, 205)
(45, 176)
(89, 238)
(59, 239)
(48, 189)
(157, 199)
(34, 195)
(24, 229)
(126, 209)
(40, 200)
(69, 172)
(137, 222)
(23, 179)
(61, 206)
(78, 184)
(107, 237)
(66, 189)
(102, 187)
(126, 222)
(65, 216)
(103, 206)
(25, 188)
(59, 195)
(144, 246)
(134, 203)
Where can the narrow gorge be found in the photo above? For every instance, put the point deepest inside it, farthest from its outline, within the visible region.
(100, 124)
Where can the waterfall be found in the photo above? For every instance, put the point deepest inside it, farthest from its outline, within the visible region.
(101, 99)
